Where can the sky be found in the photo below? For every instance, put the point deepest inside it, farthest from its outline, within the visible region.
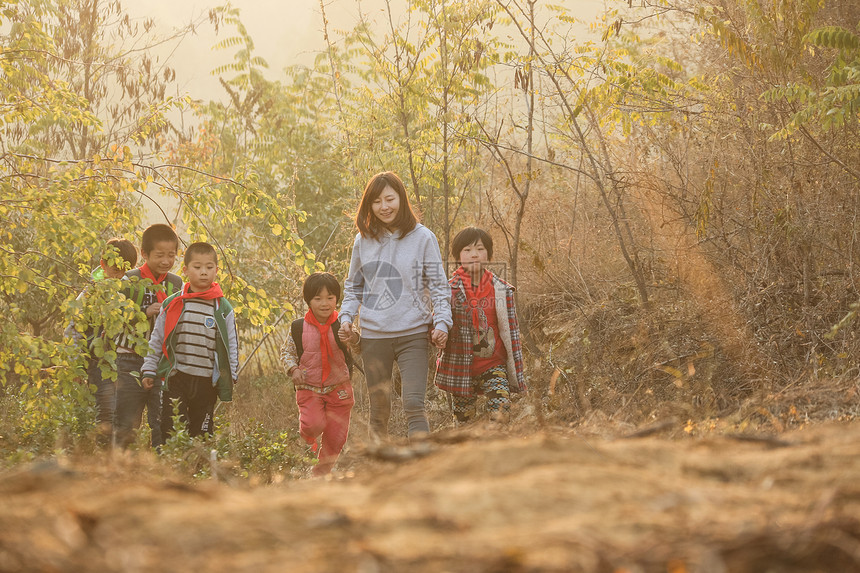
(285, 32)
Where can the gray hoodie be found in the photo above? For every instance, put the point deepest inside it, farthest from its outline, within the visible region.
(393, 280)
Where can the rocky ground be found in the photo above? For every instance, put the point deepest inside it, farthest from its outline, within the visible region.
(467, 501)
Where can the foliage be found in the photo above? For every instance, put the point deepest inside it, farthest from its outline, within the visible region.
(418, 88)
(246, 200)
(267, 453)
(257, 454)
(837, 101)
(54, 231)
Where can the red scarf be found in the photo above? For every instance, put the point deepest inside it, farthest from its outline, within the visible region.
(146, 273)
(174, 308)
(474, 295)
(325, 347)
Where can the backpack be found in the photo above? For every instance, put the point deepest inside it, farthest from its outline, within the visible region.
(171, 284)
(296, 332)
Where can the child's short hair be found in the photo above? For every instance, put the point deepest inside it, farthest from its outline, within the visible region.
(470, 236)
(155, 234)
(316, 282)
(126, 251)
(199, 248)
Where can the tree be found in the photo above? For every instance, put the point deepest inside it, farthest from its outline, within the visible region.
(256, 154)
(57, 211)
(419, 86)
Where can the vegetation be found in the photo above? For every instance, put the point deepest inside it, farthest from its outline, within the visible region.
(673, 189)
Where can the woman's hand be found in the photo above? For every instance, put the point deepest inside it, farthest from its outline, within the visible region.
(345, 332)
(439, 338)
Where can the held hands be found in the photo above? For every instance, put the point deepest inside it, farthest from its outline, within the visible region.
(147, 383)
(346, 334)
(439, 338)
(153, 309)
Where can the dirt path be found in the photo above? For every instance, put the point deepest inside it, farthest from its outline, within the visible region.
(548, 502)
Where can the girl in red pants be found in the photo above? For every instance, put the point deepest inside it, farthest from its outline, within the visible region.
(320, 365)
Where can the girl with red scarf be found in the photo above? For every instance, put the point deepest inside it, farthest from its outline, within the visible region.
(483, 354)
(319, 364)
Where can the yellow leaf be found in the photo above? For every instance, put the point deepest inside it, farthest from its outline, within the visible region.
(277, 230)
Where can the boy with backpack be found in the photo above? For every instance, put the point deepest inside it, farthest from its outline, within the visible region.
(147, 286)
(194, 347)
(320, 365)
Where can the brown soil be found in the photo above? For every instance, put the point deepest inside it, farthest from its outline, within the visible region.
(471, 500)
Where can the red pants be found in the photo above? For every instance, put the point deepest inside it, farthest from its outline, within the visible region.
(325, 415)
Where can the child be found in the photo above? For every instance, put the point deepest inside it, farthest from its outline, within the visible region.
(149, 286)
(193, 347)
(320, 366)
(120, 256)
(394, 274)
(484, 355)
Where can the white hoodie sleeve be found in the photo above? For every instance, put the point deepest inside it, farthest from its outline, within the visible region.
(437, 283)
(353, 286)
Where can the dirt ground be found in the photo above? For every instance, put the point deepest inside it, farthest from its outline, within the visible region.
(470, 500)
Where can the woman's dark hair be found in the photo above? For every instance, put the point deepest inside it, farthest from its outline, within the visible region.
(318, 281)
(368, 225)
(470, 236)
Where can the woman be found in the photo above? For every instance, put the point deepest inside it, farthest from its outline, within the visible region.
(395, 274)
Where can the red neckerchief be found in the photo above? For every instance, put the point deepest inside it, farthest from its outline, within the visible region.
(475, 294)
(325, 347)
(174, 308)
(146, 273)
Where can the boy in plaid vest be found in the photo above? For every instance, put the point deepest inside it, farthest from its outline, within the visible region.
(483, 354)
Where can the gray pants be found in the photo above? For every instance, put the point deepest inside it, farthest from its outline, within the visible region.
(379, 355)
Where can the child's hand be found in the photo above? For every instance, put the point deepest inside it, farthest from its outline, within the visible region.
(439, 338)
(147, 383)
(298, 375)
(153, 309)
(345, 333)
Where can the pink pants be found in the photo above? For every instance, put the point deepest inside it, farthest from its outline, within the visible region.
(325, 415)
